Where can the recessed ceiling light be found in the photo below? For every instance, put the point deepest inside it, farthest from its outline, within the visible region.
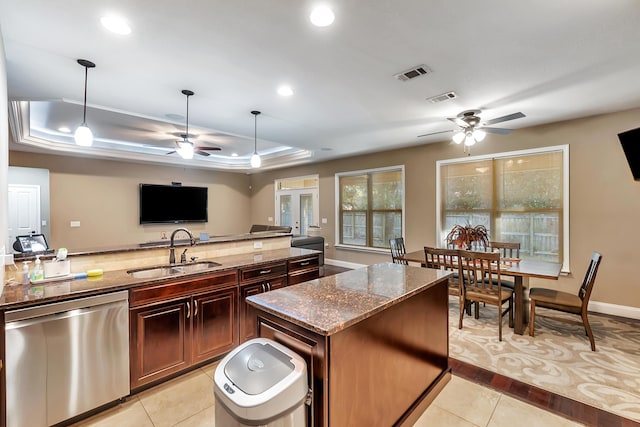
(322, 16)
(234, 154)
(115, 24)
(64, 129)
(285, 90)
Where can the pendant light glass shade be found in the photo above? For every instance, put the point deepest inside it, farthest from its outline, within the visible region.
(83, 135)
(256, 161)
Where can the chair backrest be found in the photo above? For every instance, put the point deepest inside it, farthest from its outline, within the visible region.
(398, 250)
(507, 249)
(438, 258)
(481, 269)
(589, 278)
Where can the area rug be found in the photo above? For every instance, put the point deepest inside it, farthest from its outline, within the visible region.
(559, 358)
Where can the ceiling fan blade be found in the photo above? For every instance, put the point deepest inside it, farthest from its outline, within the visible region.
(458, 121)
(499, 131)
(506, 118)
(435, 133)
(201, 153)
(208, 148)
(170, 152)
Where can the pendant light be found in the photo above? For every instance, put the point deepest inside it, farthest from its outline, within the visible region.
(185, 147)
(83, 135)
(255, 159)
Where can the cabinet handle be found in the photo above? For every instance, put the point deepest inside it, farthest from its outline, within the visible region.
(195, 307)
(188, 310)
(268, 286)
(265, 271)
(302, 264)
(264, 289)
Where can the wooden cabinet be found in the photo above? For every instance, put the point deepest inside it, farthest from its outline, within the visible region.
(255, 280)
(303, 269)
(174, 325)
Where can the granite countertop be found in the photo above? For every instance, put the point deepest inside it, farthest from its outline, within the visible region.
(155, 244)
(331, 304)
(21, 296)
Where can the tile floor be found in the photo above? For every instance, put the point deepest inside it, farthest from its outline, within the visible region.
(187, 401)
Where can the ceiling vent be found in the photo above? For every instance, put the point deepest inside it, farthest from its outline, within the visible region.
(442, 97)
(412, 73)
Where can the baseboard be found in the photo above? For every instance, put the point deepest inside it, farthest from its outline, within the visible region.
(343, 264)
(614, 309)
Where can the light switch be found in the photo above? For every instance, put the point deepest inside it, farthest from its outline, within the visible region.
(270, 219)
(324, 220)
(74, 224)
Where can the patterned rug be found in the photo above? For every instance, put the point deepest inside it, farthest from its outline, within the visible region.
(559, 357)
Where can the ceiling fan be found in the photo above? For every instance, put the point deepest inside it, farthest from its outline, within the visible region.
(473, 129)
(186, 148)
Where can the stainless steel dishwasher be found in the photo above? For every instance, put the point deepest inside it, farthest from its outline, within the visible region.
(66, 358)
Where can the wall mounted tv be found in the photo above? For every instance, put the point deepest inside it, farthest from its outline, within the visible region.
(172, 204)
(630, 141)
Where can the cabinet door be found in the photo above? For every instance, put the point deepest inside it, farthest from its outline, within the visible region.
(247, 314)
(213, 323)
(160, 341)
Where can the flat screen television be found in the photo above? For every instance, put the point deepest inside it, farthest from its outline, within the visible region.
(630, 141)
(172, 204)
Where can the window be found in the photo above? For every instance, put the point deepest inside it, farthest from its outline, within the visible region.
(370, 207)
(519, 196)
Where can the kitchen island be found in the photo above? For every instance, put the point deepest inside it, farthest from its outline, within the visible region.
(375, 340)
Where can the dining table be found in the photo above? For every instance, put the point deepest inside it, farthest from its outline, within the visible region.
(521, 270)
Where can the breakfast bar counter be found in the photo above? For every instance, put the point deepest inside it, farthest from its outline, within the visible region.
(375, 340)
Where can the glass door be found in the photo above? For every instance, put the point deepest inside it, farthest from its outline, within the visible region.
(297, 209)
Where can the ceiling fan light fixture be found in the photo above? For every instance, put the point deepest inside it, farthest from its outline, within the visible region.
(83, 135)
(469, 140)
(458, 137)
(185, 150)
(479, 135)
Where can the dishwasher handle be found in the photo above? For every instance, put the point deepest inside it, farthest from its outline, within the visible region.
(64, 306)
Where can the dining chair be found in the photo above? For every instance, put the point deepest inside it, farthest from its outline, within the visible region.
(398, 251)
(482, 283)
(567, 302)
(447, 259)
(506, 250)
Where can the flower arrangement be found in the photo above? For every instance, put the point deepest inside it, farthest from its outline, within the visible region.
(464, 235)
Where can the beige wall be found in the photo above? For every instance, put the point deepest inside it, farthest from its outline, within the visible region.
(103, 196)
(604, 199)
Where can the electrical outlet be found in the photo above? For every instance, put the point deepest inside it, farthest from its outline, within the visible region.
(257, 245)
(74, 224)
(324, 220)
(270, 219)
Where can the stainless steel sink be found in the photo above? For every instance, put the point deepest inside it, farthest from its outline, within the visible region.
(170, 270)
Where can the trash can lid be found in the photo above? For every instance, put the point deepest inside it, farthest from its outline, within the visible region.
(258, 367)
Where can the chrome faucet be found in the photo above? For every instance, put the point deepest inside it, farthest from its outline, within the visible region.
(172, 248)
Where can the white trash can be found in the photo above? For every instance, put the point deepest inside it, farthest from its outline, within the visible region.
(261, 383)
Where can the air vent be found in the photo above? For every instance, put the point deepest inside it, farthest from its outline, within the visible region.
(412, 73)
(442, 97)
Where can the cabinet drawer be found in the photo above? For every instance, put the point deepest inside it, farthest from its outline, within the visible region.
(304, 275)
(304, 263)
(179, 287)
(263, 272)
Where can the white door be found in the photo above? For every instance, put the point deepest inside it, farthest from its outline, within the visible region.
(24, 211)
(297, 209)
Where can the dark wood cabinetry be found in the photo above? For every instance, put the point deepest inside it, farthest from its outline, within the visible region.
(174, 325)
(255, 280)
(303, 269)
